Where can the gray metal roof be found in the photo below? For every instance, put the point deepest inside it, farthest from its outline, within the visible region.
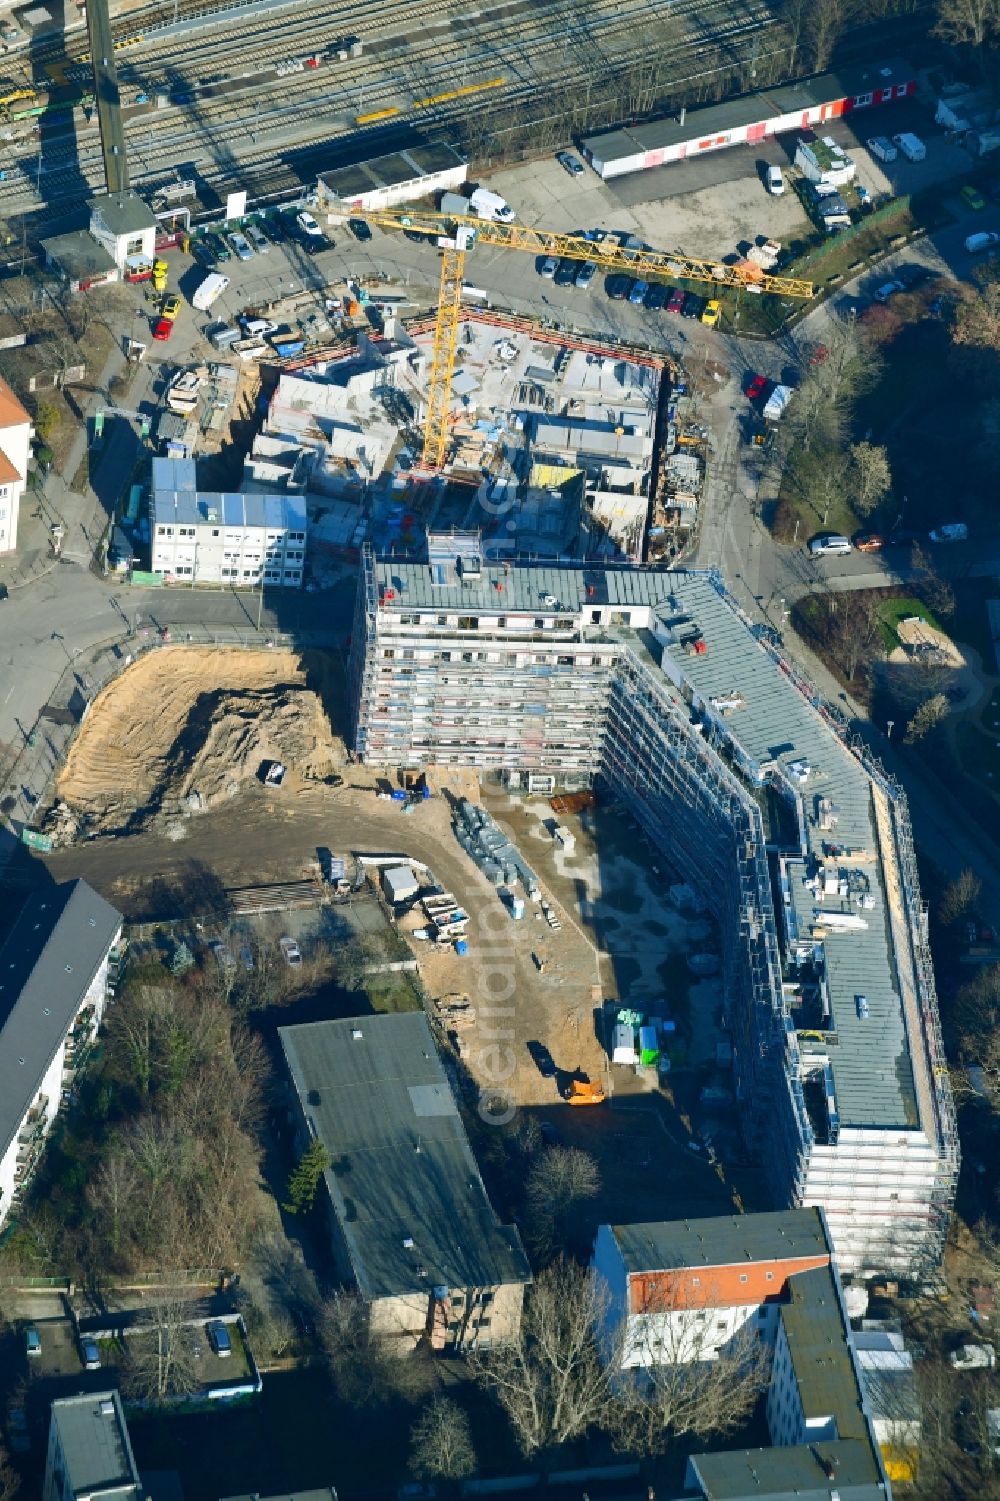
(95, 1446)
(47, 964)
(406, 165)
(871, 1065)
(499, 591)
(122, 213)
(827, 1381)
(795, 1473)
(403, 1168)
(78, 255)
(667, 1245)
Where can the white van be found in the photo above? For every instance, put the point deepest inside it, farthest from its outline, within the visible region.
(775, 181)
(829, 542)
(911, 146)
(882, 148)
(210, 288)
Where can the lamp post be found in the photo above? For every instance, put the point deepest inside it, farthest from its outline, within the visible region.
(888, 728)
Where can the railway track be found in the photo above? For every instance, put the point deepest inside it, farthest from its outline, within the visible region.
(214, 135)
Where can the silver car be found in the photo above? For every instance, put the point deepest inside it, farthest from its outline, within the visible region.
(586, 274)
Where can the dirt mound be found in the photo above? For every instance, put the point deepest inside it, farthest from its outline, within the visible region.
(161, 742)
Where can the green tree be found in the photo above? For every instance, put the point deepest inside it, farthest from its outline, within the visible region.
(305, 1178)
(48, 420)
(930, 713)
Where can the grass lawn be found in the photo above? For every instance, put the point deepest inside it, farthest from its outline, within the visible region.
(892, 611)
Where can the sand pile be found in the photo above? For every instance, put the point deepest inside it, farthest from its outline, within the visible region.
(184, 729)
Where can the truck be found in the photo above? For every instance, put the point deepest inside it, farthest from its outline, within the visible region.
(211, 288)
(583, 1092)
(489, 205)
(911, 146)
(160, 269)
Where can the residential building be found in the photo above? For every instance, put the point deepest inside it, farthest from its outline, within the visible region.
(410, 1223)
(55, 971)
(682, 1290)
(89, 1453)
(654, 685)
(15, 447)
(204, 537)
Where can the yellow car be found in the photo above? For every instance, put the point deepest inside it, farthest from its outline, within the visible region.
(710, 316)
(171, 307)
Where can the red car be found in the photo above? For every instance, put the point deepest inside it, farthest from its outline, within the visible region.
(756, 387)
(868, 542)
(676, 303)
(164, 328)
(819, 354)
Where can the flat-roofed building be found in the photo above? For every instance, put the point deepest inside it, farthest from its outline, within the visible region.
(411, 1225)
(90, 1454)
(242, 540)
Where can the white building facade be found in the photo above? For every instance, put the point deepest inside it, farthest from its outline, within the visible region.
(202, 537)
(15, 448)
(56, 971)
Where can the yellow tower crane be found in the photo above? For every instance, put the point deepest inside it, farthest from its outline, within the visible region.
(458, 233)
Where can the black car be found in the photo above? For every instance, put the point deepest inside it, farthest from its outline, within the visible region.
(694, 306)
(656, 297)
(914, 276)
(566, 272)
(201, 251)
(359, 229)
(315, 244)
(542, 1059)
(618, 286)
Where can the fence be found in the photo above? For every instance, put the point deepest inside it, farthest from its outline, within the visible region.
(26, 779)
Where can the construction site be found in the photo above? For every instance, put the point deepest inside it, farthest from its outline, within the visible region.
(654, 688)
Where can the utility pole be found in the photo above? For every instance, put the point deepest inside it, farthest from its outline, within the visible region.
(888, 728)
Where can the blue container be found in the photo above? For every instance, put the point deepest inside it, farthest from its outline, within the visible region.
(461, 946)
(398, 795)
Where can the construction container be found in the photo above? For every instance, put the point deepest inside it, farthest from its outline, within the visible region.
(623, 1046)
(461, 946)
(649, 1046)
(399, 883)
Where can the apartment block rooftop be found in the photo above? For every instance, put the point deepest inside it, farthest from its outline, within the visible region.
(783, 1235)
(406, 1190)
(96, 1452)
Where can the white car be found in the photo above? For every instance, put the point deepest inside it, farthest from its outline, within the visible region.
(307, 223)
(291, 951)
(775, 181)
(829, 542)
(548, 267)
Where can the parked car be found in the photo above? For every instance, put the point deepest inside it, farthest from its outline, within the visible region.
(828, 542)
(586, 274)
(618, 286)
(638, 292)
(316, 244)
(291, 951)
(984, 240)
(775, 181)
(90, 1355)
(171, 307)
(675, 302)
(953, 531)
(864, 197)
(973, 198)
(219, 248)
(202, 252)
(258, 239)
(694, 305)
(656, 297)
(241, 245)
(868, 542)
(886, 290)
(307, 223)
(218, 1336)
(32, 1341)
(542, 1059)
(757, 386)
(359, 229)
(570, 163)
(914, 276)
(882, 148)
(566, 272)
(713, 309)
(549, 267)
(163, 329)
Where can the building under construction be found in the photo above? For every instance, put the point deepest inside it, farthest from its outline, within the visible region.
(655, 685)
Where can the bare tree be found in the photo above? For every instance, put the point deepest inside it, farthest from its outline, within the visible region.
(936, 593)
(967, 22)
(162, 1352)
(367, 1367)
(549, 1378)
(559, 1180)
(10, 1480)
(441, 1445)
(960, 897)
(931, 712)
(871, 477)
